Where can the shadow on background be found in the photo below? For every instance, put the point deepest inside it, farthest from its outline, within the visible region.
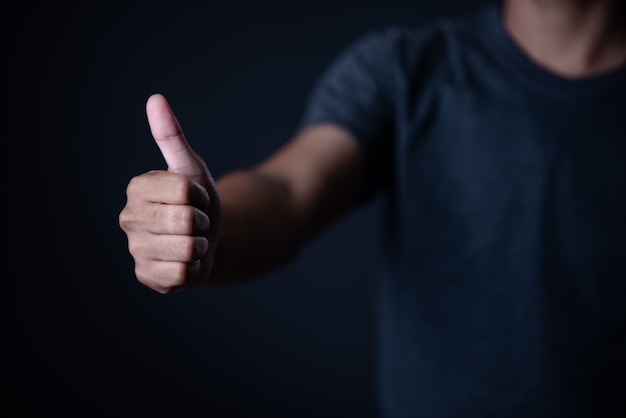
(83, 337)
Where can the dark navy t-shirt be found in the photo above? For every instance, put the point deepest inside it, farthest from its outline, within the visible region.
(503, 283)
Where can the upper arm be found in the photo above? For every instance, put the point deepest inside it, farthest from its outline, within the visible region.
(340, 156)
(322, 170)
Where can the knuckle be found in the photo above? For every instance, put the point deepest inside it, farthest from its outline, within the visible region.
(123, 219)
(129, 218)
(134, 185)
(135, 248)
(142, 275)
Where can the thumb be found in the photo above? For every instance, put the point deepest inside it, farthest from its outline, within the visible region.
(178, 155)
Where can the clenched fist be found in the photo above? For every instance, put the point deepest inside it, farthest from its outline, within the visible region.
(171, 217)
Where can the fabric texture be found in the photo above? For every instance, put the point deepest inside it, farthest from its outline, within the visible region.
(503, 282)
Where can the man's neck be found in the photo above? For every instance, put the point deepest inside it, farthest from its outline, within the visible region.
(571, 38)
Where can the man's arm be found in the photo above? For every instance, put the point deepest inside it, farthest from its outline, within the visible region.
(185, 230)
(270, 211)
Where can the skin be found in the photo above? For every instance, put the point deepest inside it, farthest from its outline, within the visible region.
(570, 38)
(185, 229)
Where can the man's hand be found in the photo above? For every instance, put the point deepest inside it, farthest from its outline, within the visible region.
(171, 217)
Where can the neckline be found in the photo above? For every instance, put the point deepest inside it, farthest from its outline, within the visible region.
(522, 64)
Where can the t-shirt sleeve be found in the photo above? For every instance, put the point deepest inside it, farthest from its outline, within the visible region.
(355, 92)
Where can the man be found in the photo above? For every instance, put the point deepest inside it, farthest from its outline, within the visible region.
(498, 139)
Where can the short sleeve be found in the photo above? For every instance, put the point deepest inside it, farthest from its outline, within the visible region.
(355, 92)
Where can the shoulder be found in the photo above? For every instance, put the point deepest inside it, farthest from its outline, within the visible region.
(436, 38)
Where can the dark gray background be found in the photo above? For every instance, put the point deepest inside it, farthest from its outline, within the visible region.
(82, 336)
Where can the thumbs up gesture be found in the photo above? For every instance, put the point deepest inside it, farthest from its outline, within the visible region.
(171, 217)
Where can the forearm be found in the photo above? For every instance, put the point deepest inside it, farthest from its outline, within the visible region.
(268, 213)
(259, 230)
